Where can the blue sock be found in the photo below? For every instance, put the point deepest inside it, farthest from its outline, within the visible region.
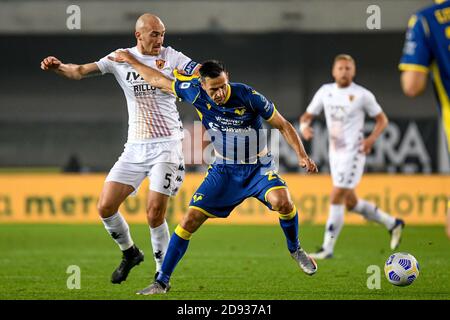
(177, 247)
(290, 229)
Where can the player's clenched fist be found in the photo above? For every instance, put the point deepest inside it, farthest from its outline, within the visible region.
(50, 63)
(309, 165)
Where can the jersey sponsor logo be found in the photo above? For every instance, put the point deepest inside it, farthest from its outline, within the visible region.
(140, 86)
(338, 113)
(267, 106)
(214, 126)
(185, 85)
(133, 76)
(190, 67)
(409, 48)
(240, 111)
(442, 15)
(197, 197)
(141, 90)
(160, 63)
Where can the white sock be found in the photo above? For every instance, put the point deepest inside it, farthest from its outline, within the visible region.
(373, 213)
(160, 241)
(118, 228)
(333, 227)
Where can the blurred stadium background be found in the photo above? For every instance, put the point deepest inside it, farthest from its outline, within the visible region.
(50, 126)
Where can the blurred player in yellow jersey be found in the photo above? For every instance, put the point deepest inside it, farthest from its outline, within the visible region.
(427, 48)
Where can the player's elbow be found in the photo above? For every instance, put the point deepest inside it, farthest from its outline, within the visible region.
(77, 77)
(413, 83)
(412, 91)
(80, 72)
(385, 122)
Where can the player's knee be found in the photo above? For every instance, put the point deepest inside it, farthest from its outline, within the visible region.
(155, 213)
(350, 204)
(192, 221)
(338, 196)
(106, 209)
(282, 204)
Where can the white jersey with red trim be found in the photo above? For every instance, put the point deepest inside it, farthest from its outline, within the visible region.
(152, 113)
(345, 110)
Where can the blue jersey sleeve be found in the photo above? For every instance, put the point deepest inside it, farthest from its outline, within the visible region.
(416, 51)
(186, 88)
(261, 105)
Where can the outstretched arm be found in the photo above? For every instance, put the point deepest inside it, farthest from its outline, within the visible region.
(292, 138)
(69, 70)
(152, 76)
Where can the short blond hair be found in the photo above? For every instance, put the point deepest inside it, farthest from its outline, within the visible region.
(344, 56)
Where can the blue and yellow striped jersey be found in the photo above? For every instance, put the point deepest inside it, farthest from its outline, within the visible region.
(427, 48)
(235, 127)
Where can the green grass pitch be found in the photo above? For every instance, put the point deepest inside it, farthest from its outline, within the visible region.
(222, 262)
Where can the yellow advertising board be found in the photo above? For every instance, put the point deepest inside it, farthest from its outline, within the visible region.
(66, 198)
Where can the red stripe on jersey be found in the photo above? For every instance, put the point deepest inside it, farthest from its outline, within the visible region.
(164, 126)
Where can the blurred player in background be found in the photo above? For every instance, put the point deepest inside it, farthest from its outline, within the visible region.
(230, 112)
(345, 104)
(153, 148)
(427, 46)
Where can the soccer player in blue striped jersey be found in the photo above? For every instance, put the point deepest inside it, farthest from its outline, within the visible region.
(232, 113)
(427, 48)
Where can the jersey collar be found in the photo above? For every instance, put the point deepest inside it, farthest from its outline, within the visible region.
(228, 93)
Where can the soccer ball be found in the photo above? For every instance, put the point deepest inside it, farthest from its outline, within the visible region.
(401, 269)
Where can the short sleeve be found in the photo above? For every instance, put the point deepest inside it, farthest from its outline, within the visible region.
(105, 65)
(315, 107)
(186, 90)
(371, 105)
(261, 105)
(182, 62)
(416, 50)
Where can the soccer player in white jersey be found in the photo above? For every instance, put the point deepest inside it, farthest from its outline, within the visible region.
(153, 148)
(345, 104)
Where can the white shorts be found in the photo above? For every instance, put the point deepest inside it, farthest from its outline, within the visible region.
(347, 169)
(162, 162)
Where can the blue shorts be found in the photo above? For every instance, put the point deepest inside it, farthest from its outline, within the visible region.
(227, 185)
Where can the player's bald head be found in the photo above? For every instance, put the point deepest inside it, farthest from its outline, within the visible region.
(148, 21)
(149, 34)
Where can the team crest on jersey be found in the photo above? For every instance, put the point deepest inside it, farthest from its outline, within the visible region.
(197, 197)
(240, 111)
(351, 97)
(208, 105)
(160, 63)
